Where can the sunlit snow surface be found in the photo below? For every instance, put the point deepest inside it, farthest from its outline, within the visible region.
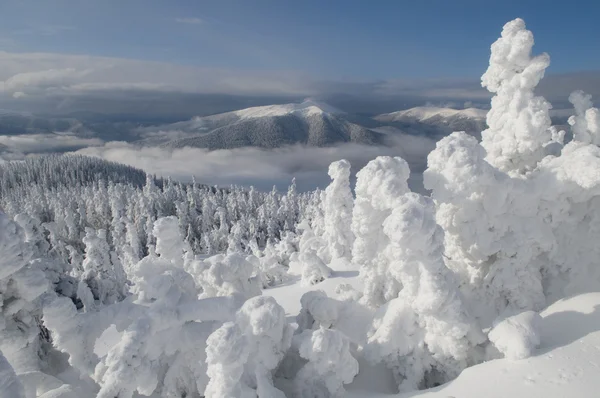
(567, 363)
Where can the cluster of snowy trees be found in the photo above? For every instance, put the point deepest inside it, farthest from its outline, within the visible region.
(445, 281)
(64, 199)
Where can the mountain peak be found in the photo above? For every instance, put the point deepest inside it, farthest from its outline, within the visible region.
(307, 107)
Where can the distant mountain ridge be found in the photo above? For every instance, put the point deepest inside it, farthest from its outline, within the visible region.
(437, 122)
(309, 123)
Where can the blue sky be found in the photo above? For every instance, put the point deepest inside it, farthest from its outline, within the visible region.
(325, 39)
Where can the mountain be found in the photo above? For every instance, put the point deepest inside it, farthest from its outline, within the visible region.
(436, 122)
(310, 123)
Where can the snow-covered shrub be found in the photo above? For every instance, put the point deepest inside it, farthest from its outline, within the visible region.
(337, 206)
(242, 356)
(274, 261)
(426, 330)
(347, 316)
(517, 336)
(379, 185)
(308, 262)
(330, 364)
(225, 275)
(317, 310)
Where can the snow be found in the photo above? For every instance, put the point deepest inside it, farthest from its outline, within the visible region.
(565, 364)
(423, 113)
(517, 336)
(307, 107)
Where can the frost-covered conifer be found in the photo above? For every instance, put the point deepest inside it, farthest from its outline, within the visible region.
(427, 328)
(379, 186)
(242, 356)
(103, 275)
(330, 364)
(519, 122)
(337, 208)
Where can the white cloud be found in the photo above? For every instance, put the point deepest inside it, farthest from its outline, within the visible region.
(73, 74)
(22, 83)
(14, 147)
(47, 75)
(258, 167)
(191, 21)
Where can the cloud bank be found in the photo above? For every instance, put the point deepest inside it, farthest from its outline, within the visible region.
(64, 83)
(262, 168)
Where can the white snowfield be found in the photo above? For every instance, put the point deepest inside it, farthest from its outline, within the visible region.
(565, 365)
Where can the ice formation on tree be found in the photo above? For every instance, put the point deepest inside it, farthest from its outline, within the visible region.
(227, 274)
(337, 208)
(426, 329)
(513, 239)
(586, 121)
(103, 280)
(484, 233)
(169, 241)
(379, 185)
(519, 122)
(330, 364)
(242, 355)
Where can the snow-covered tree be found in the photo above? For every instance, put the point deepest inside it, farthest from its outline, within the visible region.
(330, 364)
(242, 356)
(103, 279)
(337, 207)
(519, 122)
(379, 186)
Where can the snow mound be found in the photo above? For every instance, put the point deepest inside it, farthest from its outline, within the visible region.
(517, 336)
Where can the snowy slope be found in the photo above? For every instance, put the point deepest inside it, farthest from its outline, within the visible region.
(423, 113)
(565, 365)
(307, 107)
